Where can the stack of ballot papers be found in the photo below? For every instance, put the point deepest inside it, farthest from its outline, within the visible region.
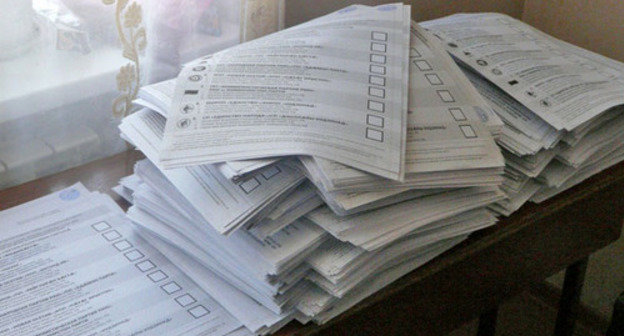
(561, 105)
(290, 177)
(302, 272)
(293, 176)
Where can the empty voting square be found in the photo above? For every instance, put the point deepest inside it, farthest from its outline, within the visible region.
(134, 255)
(374, 120)
(423, 65)
(434, 79)
(414, 52)
(446, 96)
(377, 80)
(122, 245)
(379, 59)
(111, 235)
(171, 287)
(374, 134)
(198, 311)
(468, 131)
(100, 226)
(185, 300)
(376, 46)
(457, 114)
(270, 172)
(378, 69)
(379, 36)
(376, 92)
(157, 276)
(376, 106)
(145, 266)
(250, 185)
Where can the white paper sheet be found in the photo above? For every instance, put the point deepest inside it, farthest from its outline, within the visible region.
(73, 265)
(555, 83)
(304, 90)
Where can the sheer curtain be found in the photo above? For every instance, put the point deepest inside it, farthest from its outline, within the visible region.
(69, 69)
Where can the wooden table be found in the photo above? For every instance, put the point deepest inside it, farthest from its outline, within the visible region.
(463, 283)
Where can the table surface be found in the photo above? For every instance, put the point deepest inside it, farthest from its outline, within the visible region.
(492, 265)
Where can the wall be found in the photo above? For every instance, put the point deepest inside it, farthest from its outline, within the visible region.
(596, 25)
(298, 11)
(430, 9)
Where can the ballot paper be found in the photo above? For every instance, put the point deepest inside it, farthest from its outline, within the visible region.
(348, 203)
(435, 72)
(598, 150)
(527, 133)
(305, 90)
(274, 308)
(572, 138)
(272, 256)
(226, 267)
(515, 199)
(164, 220)
(340, 267)
(253, 315)
(561, 104)
(395, 255)
(584, 172)
(563, 89)
(296, 204)
(514, 180)
(276, 293)
(328, 308)
(264, 270)
(157, 97)
(531, 165)
(448, 133)
(237, 170)
(127, 185)
(374, 229)
(557, 172)
(225, 204)
(608, 135)
(73, 265)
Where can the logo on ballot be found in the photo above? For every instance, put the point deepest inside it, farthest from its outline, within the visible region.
(69, 195)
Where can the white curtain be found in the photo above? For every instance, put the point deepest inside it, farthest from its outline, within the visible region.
(69, 69)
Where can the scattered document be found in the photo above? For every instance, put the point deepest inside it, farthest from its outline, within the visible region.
(565, 92)
(374, 229)
(449, 130)
(240, 202)
(74, 265)
(305, 90)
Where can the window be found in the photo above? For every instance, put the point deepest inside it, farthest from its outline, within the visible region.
(63, 70)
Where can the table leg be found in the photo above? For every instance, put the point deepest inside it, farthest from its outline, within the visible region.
(617, 321)
(487, 323)
(570, 297)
